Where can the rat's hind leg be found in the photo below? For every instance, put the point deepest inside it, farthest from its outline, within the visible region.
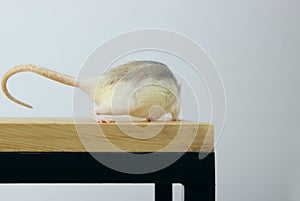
(175, 111)
(175, 116)
(156, 112)
(96, 116)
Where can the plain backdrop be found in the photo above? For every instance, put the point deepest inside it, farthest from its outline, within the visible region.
(255, 45)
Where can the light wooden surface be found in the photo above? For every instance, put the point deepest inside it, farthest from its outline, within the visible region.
(63, 135)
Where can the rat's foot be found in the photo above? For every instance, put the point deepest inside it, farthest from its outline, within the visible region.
(95, 116)
(106, 121)
(103, 120)
(150, 119)
(99, 119)
(175, 120)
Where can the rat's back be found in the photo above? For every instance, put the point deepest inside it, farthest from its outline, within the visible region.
(140, 71)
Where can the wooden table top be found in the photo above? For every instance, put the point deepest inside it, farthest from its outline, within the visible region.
(65, 135)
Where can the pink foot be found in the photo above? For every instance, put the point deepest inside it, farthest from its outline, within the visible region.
(106, 121)
(150, 119)
(95, 116)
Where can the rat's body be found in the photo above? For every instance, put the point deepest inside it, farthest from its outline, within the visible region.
(144, 89)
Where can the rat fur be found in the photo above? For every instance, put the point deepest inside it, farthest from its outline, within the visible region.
(144, 89)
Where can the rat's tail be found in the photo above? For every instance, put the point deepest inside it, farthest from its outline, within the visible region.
(53, 75)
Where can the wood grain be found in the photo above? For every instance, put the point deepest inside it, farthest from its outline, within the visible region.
(64, 135)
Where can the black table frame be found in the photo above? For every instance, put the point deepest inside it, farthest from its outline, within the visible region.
(197, 176)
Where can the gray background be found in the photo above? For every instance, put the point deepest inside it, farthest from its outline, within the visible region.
(255, 45)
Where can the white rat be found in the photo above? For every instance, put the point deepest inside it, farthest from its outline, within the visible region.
(144, 89)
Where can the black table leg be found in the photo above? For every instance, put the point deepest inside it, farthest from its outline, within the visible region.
(192, 192)
(163, 192)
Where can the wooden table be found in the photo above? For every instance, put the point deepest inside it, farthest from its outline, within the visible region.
(49, 150)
